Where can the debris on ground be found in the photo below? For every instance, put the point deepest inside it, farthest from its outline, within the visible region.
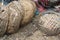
(29, 20)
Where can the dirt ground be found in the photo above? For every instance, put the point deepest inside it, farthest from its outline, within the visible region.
(29, 32)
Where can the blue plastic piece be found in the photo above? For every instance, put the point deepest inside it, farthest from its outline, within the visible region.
(5, 2)
(37, 12)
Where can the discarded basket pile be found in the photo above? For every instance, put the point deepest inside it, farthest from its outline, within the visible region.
(16, 14)
(21, 12)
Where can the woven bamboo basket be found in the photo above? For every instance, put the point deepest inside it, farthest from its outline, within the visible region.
(3, 22)
(49, 23)
(29, 9)
(15, 15)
